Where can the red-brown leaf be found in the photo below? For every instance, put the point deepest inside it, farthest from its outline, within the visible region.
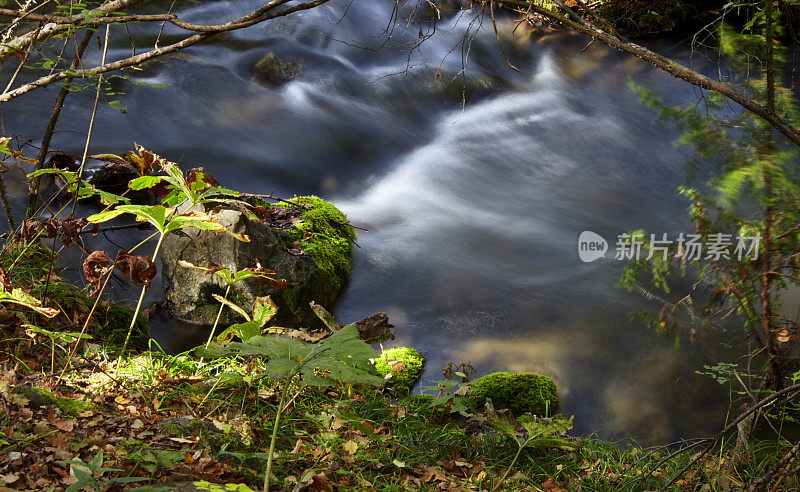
(139, 268)
(93, 268)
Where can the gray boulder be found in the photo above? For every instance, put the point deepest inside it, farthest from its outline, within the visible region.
(312, 254)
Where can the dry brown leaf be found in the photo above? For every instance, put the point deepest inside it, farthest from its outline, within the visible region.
(93, 268)
(140, 268)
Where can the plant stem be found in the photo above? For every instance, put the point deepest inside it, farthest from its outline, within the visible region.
(268, 471)
(51, 126)
(216, 321)
(508, 470)
(136, 312)
(91, 126)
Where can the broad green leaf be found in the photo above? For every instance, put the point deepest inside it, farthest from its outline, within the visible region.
(65, 336)
(202, 221)
(247, 330)
(143, 182)
(341, 357)
(105, 216)
(67, 176)
(503, 423)
(154, 214)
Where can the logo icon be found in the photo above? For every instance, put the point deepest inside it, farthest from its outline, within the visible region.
(591, 246)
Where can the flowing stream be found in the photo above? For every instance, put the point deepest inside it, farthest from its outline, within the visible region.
(473, 213)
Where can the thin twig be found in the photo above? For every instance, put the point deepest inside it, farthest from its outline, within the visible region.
(91, 126)
(33, 193)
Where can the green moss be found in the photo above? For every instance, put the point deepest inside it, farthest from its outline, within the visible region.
(520, 393)
(30, 268)
(188, 426)
(42, 398)
(404, 364)
(323, 233)
(26, 264)
(209, 306)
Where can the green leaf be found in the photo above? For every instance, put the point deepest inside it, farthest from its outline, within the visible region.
(233, 306)
(143, 182)
(19, 296)
(104, 216)
(341, 357)
(501, 422)
(97, 461)
(264, 309)
(247, 330)
(202, 221)
(155, 214)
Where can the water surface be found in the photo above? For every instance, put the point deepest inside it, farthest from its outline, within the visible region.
(473, 212)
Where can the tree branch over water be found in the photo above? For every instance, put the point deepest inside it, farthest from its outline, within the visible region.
(668, 65)
(257, 16)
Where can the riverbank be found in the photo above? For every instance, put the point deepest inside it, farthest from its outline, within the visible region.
(88, 419)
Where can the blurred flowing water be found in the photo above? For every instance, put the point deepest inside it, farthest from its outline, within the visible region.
(473, 213)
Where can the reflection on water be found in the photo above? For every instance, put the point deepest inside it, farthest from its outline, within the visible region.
(473, 214)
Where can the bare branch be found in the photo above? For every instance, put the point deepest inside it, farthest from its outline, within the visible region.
(246, 21)
(9, 48)
(670, 66)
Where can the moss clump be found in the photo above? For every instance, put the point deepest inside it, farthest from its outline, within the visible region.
(42, 398)
(521, 393)
(404, 364)
(324, 234)
(26, 264)
(30, 268)
(188, 426)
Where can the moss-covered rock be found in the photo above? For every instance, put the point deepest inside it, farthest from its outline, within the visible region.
(324, 234)
(405, 365)
(521, 393)
(309, 244)
(38, 397)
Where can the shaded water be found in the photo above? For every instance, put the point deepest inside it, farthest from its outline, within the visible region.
(473, 214)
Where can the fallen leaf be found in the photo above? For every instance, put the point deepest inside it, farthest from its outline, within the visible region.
(182, 440)
(10, 478)
(350, 447)
(65, 425)
(432, 474)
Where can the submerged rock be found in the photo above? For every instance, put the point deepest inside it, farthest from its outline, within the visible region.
(312, 252)
(273, 70)
(521, 393)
